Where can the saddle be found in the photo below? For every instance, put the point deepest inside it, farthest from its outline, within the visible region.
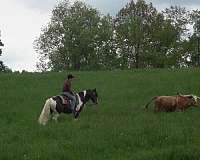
(65, 100)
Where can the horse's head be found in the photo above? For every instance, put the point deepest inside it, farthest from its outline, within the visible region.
(89, 94)
(93, 95)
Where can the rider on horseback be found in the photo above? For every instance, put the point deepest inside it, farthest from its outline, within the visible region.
(67, 91)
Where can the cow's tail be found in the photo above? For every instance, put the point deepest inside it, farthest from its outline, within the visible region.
(146, 106)
(44, 116)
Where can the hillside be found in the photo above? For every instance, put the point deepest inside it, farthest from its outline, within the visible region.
(117, 129)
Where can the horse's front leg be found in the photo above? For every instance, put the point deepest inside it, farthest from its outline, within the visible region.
(76, 114)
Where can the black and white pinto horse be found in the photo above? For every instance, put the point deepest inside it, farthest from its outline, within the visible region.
(54, 106)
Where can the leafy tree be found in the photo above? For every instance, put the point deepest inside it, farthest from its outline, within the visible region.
(194, 40)
(147, 38)
(163, 42)
(190, 53)
(133, 28)
(1, 44)
(106, 49)
(75, 38)
(179, 17)
(79, 37)
(2, 66)
(172, 34)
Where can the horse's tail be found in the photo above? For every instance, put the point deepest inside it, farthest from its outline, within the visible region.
(146, 106)
(44, 116)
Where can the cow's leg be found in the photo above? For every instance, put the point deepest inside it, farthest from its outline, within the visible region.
(180, 108)
(156, 108)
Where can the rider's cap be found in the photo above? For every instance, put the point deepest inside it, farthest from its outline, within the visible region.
(70, 76)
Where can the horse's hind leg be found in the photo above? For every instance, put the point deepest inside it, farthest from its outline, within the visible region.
(54, 112)
(55, 116)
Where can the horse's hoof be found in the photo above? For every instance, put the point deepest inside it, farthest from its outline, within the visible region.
(76, 119)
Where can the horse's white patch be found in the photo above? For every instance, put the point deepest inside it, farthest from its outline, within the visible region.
(80, 103)
(45, 114)
(55, 114)
(84, 93)
(53, 104)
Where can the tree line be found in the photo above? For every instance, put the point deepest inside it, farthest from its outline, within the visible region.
(79, 37)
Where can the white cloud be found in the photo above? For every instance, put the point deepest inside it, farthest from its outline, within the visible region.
(19, 27)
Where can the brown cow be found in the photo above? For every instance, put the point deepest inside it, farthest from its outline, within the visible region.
(172, 103)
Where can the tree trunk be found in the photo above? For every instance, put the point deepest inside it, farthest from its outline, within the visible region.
(137, 56)
(76, 64)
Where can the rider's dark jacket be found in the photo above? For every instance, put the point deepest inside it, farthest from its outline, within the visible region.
(67, 86)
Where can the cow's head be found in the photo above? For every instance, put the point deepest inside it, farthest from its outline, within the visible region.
(192, 99)
(196, 99)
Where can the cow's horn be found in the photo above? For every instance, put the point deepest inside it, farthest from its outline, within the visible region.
(178, 93)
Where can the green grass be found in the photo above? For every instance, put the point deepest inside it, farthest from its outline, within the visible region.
(117, 129)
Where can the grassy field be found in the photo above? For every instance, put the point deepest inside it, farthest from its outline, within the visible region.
(117, 129)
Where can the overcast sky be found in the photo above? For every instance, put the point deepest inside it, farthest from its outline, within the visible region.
(21, 22)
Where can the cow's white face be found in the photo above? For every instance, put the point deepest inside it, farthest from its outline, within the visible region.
(195, 98)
